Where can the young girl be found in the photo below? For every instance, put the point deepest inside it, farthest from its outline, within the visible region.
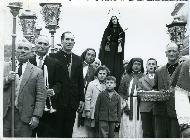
(95, 87)
(131, 125)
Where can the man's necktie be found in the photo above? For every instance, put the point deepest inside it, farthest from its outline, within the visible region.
(40, 63)
(20, 69)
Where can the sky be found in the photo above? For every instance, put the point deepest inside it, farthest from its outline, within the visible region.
(87, 19)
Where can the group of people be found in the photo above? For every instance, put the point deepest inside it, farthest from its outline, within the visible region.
(64, 95)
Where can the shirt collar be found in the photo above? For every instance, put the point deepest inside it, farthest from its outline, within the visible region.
(169, 65)
(85, 64)
(23, 66)
(43, 58)
(151, 75)
(17, 62)
(65, 53)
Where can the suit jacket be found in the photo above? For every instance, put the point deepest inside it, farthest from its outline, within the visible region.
(72, 89)
(93, 90)
(32, 93)
(54, 78)
(181, 82)
(108, 109)
(146, 84)
(162, 82)
(181, 76)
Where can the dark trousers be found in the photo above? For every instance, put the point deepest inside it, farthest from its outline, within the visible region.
(92, 132)
(106, 129)
(21, 129)
(147, 124)
(65, 120)
(166, 127)
(46, 127)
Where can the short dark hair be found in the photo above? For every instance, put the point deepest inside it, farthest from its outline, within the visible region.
(102, 68)
(63, 35)
(108, 78)
(152, 59)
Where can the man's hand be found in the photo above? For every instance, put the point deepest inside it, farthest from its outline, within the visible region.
(87, 113)
(34, 122)
(81, 106)
(50, 92)
(11, 76)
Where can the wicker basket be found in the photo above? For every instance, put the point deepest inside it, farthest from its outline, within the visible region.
(154, 96)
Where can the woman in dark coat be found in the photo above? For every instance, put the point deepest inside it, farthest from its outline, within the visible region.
(111, 51)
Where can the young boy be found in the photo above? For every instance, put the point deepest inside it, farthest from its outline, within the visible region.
(146, 83)
(108, 109)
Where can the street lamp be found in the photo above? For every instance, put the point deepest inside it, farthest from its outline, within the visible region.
(51, 12)
(177, 31)
(14, 9)
(28, 20)
(37, 31)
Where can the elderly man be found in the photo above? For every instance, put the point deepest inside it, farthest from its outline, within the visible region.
(181, 84)
(166, 124)
(71, 98)
(30, 93)
(50, 67)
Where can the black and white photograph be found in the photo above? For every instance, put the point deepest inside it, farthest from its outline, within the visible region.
(95, 69)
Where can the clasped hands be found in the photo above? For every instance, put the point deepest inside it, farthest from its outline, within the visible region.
(125, 109)
(50, 92)
(34, 122)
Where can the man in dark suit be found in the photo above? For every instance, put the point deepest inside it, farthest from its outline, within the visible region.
(50, 67)
(30, 93)
(166, 124)
(71, 98)
(146, 83)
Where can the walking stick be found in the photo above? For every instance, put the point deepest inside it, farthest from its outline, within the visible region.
(14, 9)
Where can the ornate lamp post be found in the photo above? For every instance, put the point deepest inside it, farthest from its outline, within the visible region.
(37, 31)
(28, 20)
(177, 31)
(14, 9)
(51, 12)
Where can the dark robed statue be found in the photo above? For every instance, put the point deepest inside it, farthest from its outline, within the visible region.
(111, 51)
